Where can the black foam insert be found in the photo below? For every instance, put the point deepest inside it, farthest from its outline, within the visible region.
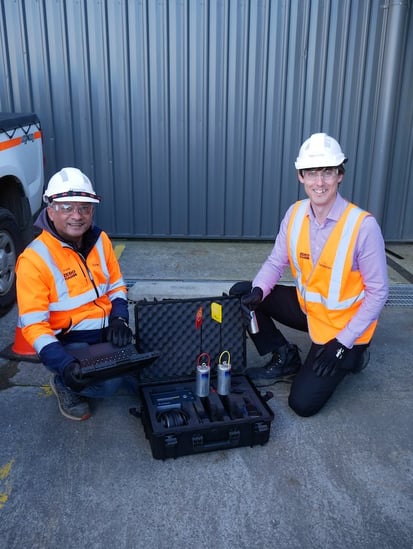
(170, 326)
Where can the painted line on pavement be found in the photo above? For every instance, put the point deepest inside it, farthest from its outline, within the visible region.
(119, 250)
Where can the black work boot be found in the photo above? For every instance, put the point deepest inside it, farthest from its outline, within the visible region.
(283, 366)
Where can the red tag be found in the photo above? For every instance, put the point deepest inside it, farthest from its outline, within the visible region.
(198, 318)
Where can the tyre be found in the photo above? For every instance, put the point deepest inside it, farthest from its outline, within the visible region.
(11, 244)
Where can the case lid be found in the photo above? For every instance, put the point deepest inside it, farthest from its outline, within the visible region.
(182, 329)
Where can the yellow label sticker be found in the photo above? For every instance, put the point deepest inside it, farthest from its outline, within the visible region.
(216, 312)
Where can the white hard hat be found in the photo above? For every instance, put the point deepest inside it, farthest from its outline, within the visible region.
(319, 151)
(70, 185)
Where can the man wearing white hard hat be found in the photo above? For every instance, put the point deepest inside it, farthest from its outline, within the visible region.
(70, 290)
(335, 251)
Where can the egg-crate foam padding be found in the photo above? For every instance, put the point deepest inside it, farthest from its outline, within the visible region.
(171, 327)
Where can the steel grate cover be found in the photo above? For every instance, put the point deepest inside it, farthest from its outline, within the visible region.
(400, 295)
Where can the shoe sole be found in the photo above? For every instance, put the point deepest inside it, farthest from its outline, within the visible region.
(62, 411)
(268, 382)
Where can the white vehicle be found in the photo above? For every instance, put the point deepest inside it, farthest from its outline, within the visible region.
(21, 190)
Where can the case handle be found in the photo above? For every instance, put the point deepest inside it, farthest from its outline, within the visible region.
(233, 439)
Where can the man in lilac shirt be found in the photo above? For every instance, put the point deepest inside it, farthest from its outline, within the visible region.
(336, 253)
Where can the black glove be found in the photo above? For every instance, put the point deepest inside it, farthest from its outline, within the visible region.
(118, 332)
(72, 377)
(250, 302)
(253, 299)
(330, 358)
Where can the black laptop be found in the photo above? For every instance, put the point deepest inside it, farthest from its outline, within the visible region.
(105, 360)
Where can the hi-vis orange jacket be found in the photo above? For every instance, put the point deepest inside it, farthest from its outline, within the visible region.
(61, 292)
(330, 293)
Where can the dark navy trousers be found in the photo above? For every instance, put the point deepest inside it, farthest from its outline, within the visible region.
(309, 392)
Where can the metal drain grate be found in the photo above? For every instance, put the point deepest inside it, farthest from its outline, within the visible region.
(130, 283)
(400, 295)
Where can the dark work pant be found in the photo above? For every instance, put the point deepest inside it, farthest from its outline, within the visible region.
(309, 392)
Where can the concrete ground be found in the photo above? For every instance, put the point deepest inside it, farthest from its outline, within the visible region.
(341, 479)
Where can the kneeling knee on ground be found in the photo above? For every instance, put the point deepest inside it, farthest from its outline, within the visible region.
(302, 408)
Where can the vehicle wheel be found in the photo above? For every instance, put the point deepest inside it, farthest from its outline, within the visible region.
(11, 245)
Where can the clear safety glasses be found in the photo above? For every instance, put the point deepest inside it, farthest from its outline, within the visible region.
(68, 208)
(326, 174)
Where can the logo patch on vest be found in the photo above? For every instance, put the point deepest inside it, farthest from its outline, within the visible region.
(303, 255)
(70, 274)
(325, 266)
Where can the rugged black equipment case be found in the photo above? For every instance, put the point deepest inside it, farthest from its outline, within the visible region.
(176, 421)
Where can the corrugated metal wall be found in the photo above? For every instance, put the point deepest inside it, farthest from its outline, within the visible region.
(188, 114)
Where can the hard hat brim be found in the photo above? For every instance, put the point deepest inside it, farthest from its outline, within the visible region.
(316, 163)
(76, 199)
(72, 196)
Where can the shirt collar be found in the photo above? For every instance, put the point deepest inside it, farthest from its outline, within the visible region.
(337, 209)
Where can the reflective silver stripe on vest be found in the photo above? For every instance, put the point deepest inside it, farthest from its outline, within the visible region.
(121, 294)
(69, 303)
(43, 251)
(33, 318)
(65, 302)
(332, 302)
(91, 324)
(295, 233)
(105, 270)
(109, 287)
(338, 267)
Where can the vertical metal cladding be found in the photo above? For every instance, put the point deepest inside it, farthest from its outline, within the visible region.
(188, 114)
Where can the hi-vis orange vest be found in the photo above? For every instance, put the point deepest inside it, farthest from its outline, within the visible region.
(329, 293)
(58, 291)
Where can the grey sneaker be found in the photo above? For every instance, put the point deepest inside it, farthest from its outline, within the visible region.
(71, 404)
(283, 366)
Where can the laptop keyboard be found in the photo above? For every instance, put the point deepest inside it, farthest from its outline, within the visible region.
(115, 359)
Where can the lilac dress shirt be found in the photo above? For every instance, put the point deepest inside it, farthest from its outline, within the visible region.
(369, 259)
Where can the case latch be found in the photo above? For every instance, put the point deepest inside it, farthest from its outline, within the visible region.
(197, 441)
(234, 436)
(260, 427)
(171, 440)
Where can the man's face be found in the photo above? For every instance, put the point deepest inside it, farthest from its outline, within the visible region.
(71, 219)
(321, 184)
